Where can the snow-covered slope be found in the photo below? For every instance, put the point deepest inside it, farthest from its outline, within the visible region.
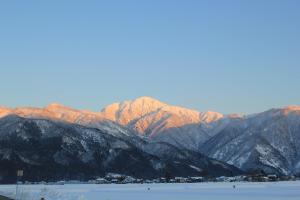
(51, 150)
(161, 122)
(150, 116)
(62, 113)
(146, 116)
(4, 111)
(269, 141)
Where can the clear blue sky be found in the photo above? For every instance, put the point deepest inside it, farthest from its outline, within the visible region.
(233, 56)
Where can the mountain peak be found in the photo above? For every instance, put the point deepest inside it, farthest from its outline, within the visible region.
(129, 110)
(2, 108)
(147, 100)
(4, 111)
(292, 108)
(56, 106)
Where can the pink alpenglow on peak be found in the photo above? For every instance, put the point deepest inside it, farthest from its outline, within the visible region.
(291, 109)
(4, 111)
(145, 116)
(151, 117)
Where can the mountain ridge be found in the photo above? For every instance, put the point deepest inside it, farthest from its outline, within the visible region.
(52, 151)
(265, 140)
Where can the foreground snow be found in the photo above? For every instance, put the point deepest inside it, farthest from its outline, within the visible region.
(212, 191)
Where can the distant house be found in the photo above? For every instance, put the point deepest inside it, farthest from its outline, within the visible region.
(181, 180)
(101, 181)
(197, 179)
(273, 177)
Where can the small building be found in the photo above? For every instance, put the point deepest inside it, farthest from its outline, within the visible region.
(129, 179)
(181, 180)
(197, 179)
(273, 177)
(101, 181)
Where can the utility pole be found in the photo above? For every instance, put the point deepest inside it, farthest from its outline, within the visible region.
(20, 174)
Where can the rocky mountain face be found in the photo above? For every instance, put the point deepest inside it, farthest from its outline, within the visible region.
(266, 141)
(50, 150)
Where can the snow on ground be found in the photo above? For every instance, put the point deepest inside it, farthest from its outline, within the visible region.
(211, 191)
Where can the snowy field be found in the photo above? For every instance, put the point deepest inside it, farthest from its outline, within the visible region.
(199, 191)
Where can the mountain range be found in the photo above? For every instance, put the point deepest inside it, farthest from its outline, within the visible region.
(146, 138)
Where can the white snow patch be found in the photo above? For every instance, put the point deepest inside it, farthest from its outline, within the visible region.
(194, 191)
(196, 168)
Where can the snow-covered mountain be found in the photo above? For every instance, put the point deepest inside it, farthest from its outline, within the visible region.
(158, 121)
(62, 113)
(267, 140)
(145, 111)
(146, 116)
(50, 150)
